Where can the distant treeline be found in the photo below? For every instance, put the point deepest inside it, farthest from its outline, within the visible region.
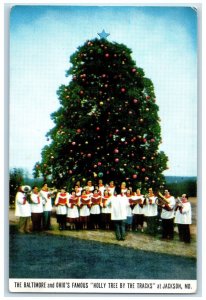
(179, 185)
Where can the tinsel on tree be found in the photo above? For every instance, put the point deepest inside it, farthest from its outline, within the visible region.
(107, 125)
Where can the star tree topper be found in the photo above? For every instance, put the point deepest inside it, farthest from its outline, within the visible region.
(103, 34)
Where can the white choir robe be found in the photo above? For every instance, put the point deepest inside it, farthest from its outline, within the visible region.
(119, 205)
(165, 214)
(138, 210)
(22, 206)
(37, 203)
(47, 201)
(72, 212)
(85, 210)
(186, 216)
(151, 210)
(61, 209)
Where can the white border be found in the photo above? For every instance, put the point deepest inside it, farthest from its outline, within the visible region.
(4, 139)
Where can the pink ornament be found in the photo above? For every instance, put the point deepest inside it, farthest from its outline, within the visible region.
(107, 55)
(97, 128)
(116, 160)
(134, 176)
(152, 140)
(143, 169)
(70, 172)
(73, 143)
(99, 163)
(78, 130)
(116, 150)
(123, 90)
(135, 100)
(133, 70)
(144, 140)
(89, 155)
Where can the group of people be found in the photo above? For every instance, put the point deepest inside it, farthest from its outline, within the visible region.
(105, 207)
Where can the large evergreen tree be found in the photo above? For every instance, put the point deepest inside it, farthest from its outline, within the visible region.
(107, 125)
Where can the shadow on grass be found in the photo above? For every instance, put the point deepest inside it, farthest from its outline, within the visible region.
(51, 256)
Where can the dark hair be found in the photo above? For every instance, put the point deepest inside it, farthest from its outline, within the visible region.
(117, 190)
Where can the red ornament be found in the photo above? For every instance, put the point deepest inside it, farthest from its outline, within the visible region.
(78, 130)
(134, 176)
(144, 140)
(97, 128)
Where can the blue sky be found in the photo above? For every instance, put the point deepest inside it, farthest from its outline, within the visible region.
(163, 41)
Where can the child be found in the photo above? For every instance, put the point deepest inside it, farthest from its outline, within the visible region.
(73, 211)
(85, 204)
(61, 202)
